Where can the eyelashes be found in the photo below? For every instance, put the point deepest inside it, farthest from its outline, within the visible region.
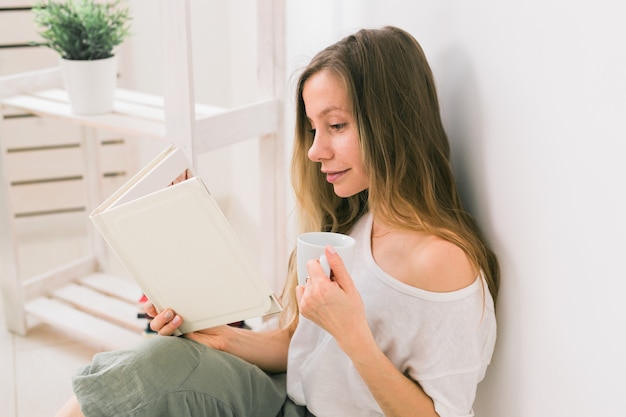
(334, 127)
(338, 126)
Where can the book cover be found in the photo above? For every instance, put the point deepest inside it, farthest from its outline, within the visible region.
(180, 248)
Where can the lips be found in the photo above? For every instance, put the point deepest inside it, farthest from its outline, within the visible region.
(333, 176)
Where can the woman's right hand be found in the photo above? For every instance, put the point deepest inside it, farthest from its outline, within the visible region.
(165, 322)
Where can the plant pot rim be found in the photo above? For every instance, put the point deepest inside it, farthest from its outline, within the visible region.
(87, 60)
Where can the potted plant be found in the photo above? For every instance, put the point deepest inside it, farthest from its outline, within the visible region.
(85, 33)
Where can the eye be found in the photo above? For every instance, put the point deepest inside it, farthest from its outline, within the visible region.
(338, 126)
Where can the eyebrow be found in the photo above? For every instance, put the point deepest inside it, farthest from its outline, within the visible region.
(328, 110)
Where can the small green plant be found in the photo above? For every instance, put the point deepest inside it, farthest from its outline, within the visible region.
(82, 29)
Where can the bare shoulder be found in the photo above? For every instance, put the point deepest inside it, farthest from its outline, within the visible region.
(438, 265)
(423, 260)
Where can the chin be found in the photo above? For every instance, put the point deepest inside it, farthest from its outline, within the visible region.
(344, 192)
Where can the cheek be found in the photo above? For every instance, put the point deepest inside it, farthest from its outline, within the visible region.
(363, 181)
(361, 177)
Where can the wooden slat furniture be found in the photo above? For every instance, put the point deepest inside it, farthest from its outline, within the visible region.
(79, 296)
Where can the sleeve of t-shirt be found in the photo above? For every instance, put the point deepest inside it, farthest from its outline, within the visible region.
(459, 354)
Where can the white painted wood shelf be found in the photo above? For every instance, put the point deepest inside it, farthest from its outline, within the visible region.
(61, 297)
(100, 307)
(78, 296)
(143, 115)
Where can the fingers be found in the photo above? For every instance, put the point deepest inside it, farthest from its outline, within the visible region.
(166, 322)
(150, 309)
(339, 272)
(182, 177)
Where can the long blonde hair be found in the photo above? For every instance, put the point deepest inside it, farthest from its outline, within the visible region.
(404, 148)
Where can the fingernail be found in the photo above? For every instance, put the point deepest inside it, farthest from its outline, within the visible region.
(331, 250)
(168, 315)
(176, 320)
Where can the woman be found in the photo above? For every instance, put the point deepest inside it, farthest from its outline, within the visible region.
(409, 332)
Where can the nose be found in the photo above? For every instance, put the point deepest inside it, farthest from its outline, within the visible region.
(320, 148)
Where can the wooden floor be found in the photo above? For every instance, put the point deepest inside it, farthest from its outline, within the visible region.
(35, 371)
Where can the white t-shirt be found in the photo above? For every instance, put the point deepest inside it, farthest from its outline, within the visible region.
(442, 340)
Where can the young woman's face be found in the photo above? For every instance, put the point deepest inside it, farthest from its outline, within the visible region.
(335, 138)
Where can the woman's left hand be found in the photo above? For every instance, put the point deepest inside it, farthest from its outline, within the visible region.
(333, 304)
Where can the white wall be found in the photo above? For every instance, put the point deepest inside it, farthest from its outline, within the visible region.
(534, 99)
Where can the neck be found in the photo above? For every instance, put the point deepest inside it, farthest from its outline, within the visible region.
(381, 229)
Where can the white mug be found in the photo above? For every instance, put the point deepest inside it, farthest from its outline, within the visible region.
(311, 246)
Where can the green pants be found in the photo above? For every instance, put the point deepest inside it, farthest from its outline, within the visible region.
(172, 376)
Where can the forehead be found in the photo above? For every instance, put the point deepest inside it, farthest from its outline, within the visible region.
(324, 92)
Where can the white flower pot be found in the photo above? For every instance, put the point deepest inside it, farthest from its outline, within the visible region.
(90, 85)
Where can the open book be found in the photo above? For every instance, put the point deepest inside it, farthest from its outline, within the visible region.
(180, 248)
